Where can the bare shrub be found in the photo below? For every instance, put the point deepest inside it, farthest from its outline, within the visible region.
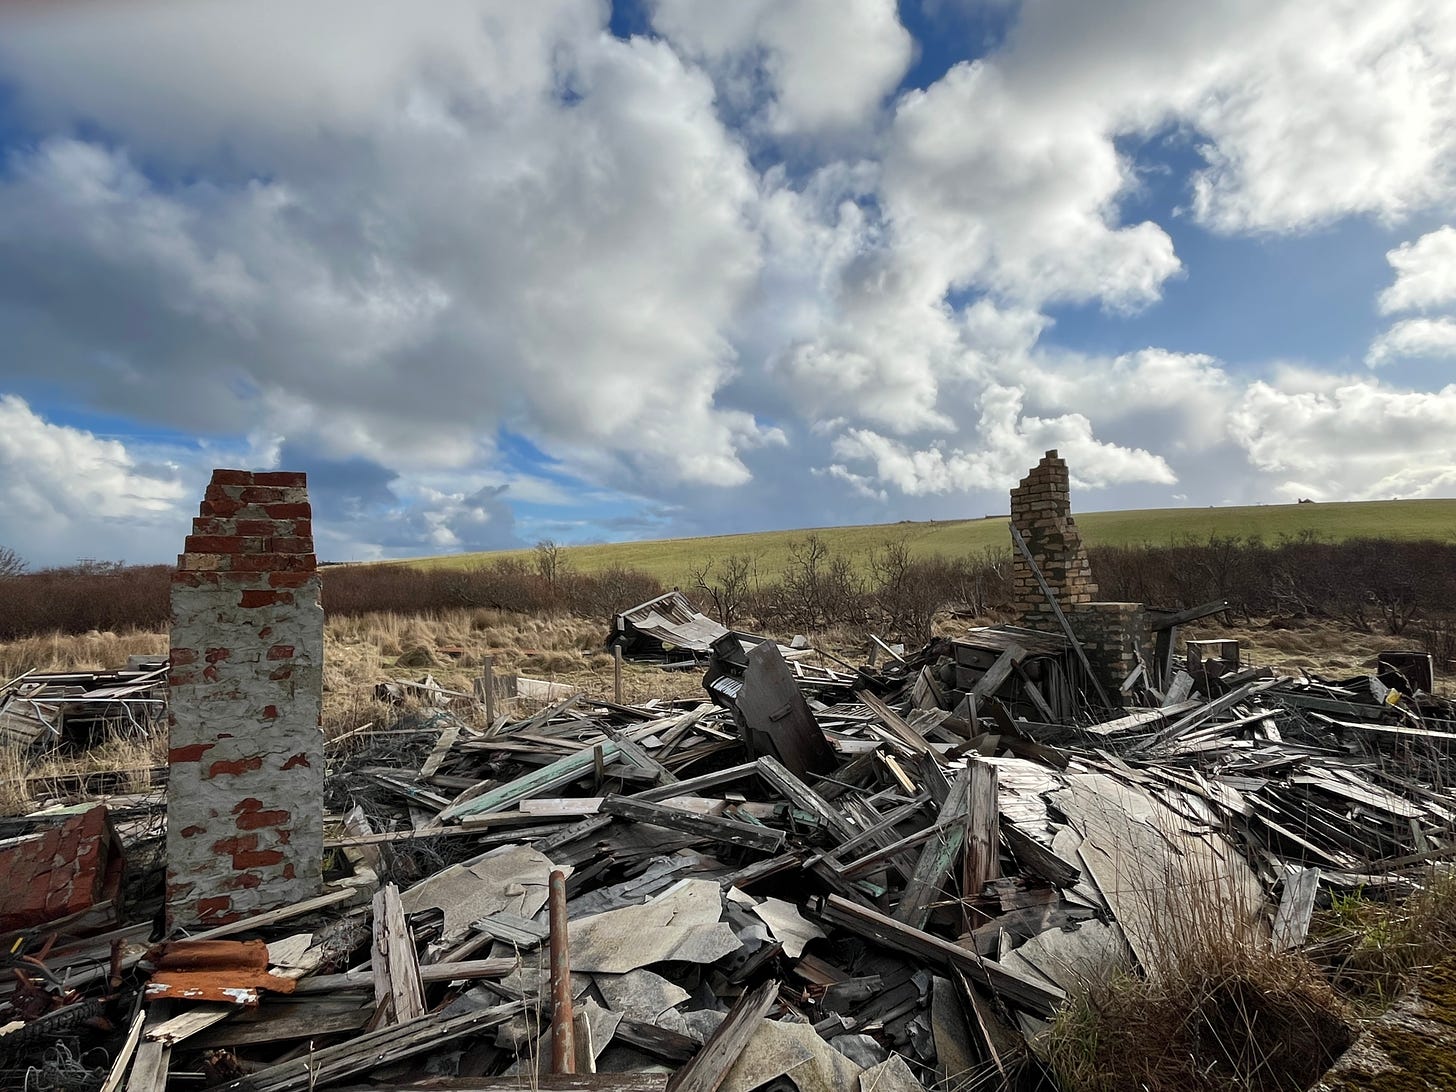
(728, 583)
(11, 563)
(819, 588)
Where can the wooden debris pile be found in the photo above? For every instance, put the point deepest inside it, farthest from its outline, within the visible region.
(79, 708)
(772, 891)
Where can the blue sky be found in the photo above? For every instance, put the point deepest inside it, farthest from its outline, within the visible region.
(587, 271)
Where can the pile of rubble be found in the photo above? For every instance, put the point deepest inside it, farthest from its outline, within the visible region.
(878, 879)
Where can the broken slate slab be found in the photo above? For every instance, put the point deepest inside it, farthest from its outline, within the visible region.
(512, 879)
(681, 924)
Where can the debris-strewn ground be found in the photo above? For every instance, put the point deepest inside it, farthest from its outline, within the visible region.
(818, 879)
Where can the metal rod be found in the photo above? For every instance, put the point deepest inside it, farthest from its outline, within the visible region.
(563, 1028)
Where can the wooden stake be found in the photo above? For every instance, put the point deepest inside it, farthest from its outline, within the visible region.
(563, 1029)
(487, 675)
(617, 672)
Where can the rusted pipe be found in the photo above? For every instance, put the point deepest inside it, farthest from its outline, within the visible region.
(563, 1027)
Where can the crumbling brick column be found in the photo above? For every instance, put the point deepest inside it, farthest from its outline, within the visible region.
(1041, 509)
(245, 788)
(1112, 634)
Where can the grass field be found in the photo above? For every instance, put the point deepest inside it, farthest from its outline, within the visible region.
(672, 560)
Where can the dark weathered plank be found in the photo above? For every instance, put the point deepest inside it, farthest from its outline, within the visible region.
(889, 933)
(706, 1070)
(375, 1049)
(776, 774)
(1291, 922)
(730, 831)
(983, 845)
(937, 857)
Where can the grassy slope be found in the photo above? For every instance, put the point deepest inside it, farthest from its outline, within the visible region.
(671, 560)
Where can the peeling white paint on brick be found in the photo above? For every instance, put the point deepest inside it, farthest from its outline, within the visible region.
(245, 816)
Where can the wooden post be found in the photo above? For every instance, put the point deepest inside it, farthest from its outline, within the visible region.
(563, 1029)
(617, 673)
(487, 680)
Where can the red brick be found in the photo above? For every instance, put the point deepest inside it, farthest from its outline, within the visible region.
(240, 880)
(180, 656)
(253, 598)
(290, 580)
(300, 759)
(213, 525)
(193, 831)
(292, 510)
(292, 479)
(213, 655)
(291, 545)
(193, 752)
(280, 652)
(278, 674)
(256, 820)
(233, 477)
(216, 910)
(265, 494)
(194, 579)
(235, 766)
(270, 712)
(258, 858)
(235, 843)
(258, 563)
(288, 872)
(214, 544)
(303, 528)
(259, 527)
(220, 506)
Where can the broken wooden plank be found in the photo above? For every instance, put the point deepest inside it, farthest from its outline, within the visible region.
(149, 1071)
(124, 1053)
(461, 971)
(937, 857)
(375, 1049)
(273, 917)
(983, 854)
(707, 1068)
(397, 984)
(552, 776)
(1291, 922)
(730, 831)
(898, 725)
(691, 785)
(998, 672)
(776, 774)
(889, 933)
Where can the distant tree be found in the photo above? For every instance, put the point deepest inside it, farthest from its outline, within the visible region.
(551, 563)
(11, 563)
(727, 582)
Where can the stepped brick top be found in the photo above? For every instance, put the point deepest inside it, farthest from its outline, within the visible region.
(244, 811)
(1041, 510)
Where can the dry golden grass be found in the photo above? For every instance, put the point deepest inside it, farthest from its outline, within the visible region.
(81, 652)
(1322, 647)
(359, 653)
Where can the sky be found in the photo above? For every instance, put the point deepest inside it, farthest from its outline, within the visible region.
(493, 272)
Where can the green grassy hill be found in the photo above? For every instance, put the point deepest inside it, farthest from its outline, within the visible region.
(672, 560)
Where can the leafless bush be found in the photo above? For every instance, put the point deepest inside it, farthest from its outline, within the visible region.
(728, 584)
(11, 563)
(819, 588)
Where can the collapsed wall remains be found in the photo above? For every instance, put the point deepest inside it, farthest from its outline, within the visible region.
(244, 812)
(1111, 634)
